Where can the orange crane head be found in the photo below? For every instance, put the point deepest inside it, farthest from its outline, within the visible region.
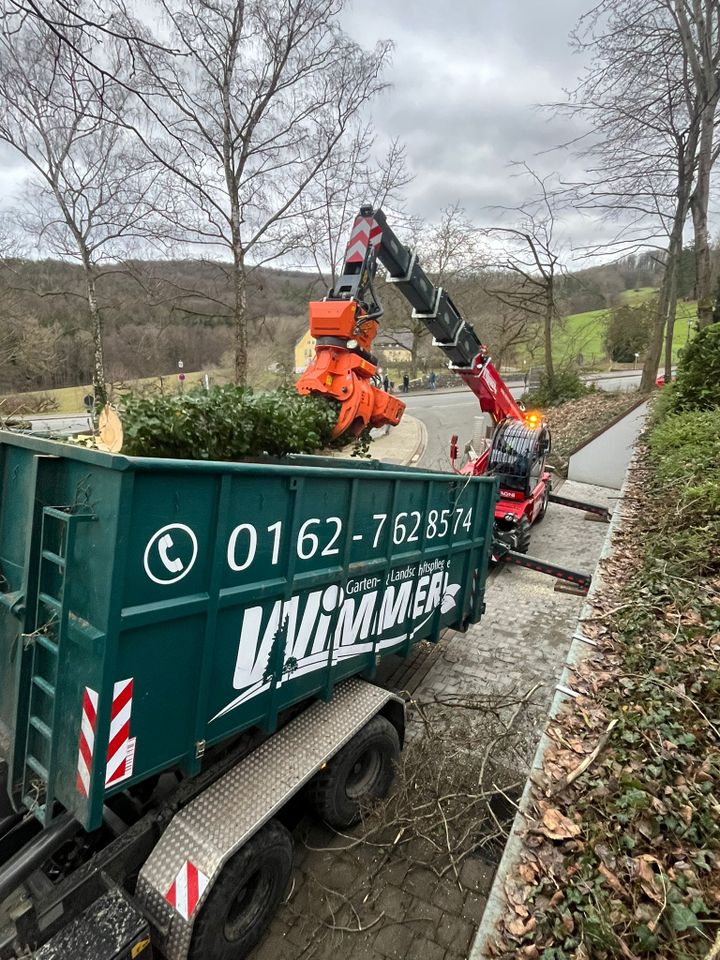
(345, 325)
(343, 367)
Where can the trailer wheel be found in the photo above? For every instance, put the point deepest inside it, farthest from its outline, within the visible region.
(245, 896)
(361, 771)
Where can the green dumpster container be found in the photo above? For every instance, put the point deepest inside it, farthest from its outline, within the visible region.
(151, 608)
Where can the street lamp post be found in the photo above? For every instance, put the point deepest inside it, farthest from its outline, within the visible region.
(636, 360)
(181, 375)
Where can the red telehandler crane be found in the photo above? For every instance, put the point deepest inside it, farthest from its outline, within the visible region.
(344, 326)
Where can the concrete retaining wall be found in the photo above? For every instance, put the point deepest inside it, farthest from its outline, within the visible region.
(604, 458)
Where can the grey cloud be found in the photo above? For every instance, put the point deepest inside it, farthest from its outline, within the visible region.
(466, 76)
(466, 81)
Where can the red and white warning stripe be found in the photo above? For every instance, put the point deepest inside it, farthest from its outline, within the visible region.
(88, 722)
(187, 889)
(120, 748)
(365, 231)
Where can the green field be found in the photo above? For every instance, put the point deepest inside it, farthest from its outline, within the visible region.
(70, 399)
(584, 333)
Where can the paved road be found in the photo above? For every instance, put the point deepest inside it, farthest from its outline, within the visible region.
(61, 423)
(445, 413)
(622, 383)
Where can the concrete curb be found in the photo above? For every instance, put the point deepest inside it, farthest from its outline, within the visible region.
(496, 904)
(409, 438)
(421, 443)
(402, 445)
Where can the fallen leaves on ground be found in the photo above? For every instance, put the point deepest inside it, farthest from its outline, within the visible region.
(624, 861)
(558, 827)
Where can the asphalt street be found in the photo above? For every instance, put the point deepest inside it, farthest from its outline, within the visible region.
(448, 412)
(443, 414)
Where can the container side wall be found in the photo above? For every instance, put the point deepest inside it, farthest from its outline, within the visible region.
(248, 590)
(16, 506)
(200, 599)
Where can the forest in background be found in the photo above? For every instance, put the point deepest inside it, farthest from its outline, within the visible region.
(156, 313)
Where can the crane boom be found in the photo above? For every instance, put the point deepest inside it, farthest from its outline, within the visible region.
(456, 337)
(346, 322)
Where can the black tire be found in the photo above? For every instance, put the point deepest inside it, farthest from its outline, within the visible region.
(245, 896)
(522, 536)
(6, 808)
(363, 770)
(544, 505)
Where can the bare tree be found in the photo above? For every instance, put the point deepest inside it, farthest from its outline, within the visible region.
(86, 193)
(527, 261)
(504, 327)
(698, 26)
(647, 114)
(354, 175)
(243, 107)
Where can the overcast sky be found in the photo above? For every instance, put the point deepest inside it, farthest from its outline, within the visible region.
(467, 78)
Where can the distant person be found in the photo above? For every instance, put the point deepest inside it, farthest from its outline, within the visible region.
(386, 383)
(432, 379)
(406, 383)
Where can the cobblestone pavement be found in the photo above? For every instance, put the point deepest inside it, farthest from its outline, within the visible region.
(406, 912)
(525, 633)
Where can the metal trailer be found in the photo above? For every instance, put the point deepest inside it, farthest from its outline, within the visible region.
(185, 647)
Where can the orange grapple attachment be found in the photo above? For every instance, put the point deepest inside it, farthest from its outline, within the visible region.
(345, 376)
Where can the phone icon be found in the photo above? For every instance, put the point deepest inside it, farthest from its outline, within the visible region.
(165, 543)
(170, 553)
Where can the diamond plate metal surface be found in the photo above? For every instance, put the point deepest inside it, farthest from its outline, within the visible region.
(211, 828)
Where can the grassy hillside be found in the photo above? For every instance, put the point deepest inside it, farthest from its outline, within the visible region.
(583, 333)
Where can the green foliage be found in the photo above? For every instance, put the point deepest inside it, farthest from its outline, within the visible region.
(685, 450)
(698, 377)
(628, 329)
(642, 882)
(551, 391)
(225, 423)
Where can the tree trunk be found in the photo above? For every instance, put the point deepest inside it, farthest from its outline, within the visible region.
(240, 314)
(668, 293)
(414, 355)
(547, 332)
(699, 207)
(99, 382)
(697, 25)
(654, 350)
(670, 326)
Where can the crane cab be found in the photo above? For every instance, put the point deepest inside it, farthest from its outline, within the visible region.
(517, 457)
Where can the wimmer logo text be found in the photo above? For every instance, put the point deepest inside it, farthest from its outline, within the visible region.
(344, 623)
